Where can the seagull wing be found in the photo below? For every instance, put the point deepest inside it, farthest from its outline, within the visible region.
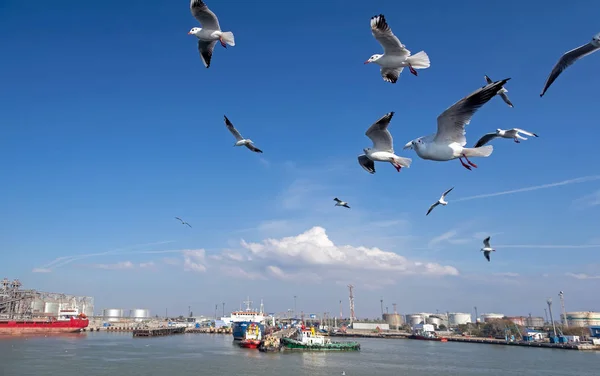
(337, 200)
(506, 100)
(485, 139)
(179, 219)
(391, 74)
(206, 51)
(232, 129)
(448, 191)
(489, 80)
(486, 254)
(452, 122)
(525, 132)
(253, 148)
(366, 163)
(205, 16)
(379, 134)
(431, 208)
(188, 224)
(384, 35)
(566, 60)
(486, 242)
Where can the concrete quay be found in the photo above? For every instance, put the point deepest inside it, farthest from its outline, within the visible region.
(156, 332)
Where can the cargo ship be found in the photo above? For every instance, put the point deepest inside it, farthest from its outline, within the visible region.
(51, 325)
(241, 320)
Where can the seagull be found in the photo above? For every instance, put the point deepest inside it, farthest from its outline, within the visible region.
(383, 147)
(209, 33)
(501, 93)
(449, 140)
(441, 201)
(395, 55)
(487, 249)
(240, 141)
(569, 58)
(510, 133)
(339, 202)
(183, 222)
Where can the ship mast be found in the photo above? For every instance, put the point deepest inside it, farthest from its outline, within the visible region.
(248, 302)
(262, 307)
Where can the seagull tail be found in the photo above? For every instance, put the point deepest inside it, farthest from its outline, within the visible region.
(227, 37)
(420, 60)
(404, 162)
(483, 151)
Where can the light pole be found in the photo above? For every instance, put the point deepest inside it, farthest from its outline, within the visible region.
(223, 309)
(549, 301)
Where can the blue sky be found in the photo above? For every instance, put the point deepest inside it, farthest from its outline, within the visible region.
(111, 127)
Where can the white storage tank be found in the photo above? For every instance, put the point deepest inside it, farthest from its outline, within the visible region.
(37, 306)
(139, 314)
(415, 319)
(112, 314)
(583, 319)
(459, 318)
(485, 317)
(436, 321)
(51, 308)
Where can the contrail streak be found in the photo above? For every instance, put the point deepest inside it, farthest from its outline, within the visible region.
(583, 179)
(549, 246)
(64, 260)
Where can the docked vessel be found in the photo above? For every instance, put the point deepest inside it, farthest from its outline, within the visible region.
(427, 333)
(51, 325)
(241, 320)
(310, 340)
(252, 337)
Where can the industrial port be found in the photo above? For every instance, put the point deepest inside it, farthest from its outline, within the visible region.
(19, 303)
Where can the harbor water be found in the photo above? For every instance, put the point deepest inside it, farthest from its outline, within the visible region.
(109, 354)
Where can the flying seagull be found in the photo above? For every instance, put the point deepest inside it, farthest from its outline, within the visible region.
(239, 140)
(487, 249)
(339, 202)
(209, 33)
(183, 222)
(383, 147)
(569, 58)
(510, 133)
(395, 55)
(501, 93)
(441, 201)
(449, 140)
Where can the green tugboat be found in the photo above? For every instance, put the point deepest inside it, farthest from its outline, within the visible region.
(309, 340)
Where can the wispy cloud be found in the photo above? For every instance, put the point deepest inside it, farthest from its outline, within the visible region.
(117, 266)
(507, 274)
(549, 246)
(587, 201)
(451, 237)
(194, 260)
(583, 179)
(64, 260)
(582, 276)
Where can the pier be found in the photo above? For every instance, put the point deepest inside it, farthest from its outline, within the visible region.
(491, 341)
(157, 332)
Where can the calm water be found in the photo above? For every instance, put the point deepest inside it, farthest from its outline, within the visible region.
(98, 354)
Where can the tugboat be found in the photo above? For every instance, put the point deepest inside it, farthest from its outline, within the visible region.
(426, 332)
(252, 337)
(310, 340)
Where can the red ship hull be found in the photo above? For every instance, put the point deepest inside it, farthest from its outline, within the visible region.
(16, 327)
(250, 343)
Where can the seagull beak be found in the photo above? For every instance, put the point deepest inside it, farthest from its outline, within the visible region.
(367, 62)
(189, 32)
(408, 146)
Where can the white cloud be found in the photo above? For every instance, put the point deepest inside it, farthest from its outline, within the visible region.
(194, 260)
(148, 264)
(582, 276)
(313, 249)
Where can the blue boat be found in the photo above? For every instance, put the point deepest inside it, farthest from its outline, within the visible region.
(239, 329)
